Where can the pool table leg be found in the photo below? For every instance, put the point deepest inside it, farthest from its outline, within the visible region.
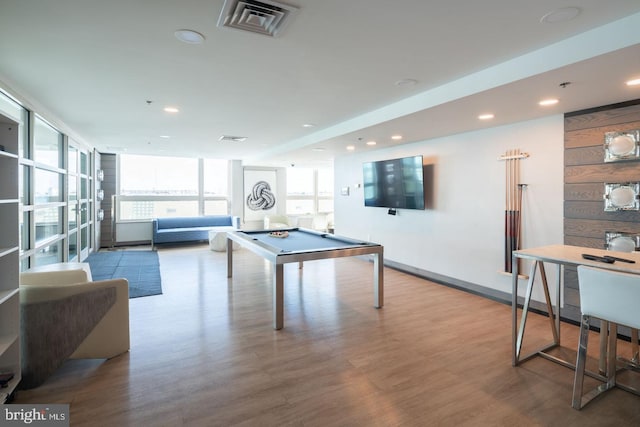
(378, 280)
(278, 296)
(229, 258)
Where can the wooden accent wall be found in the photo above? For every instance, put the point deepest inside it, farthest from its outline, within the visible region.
(108, 165)
(585, 172)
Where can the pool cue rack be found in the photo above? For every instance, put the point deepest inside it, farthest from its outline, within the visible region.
(513, 204)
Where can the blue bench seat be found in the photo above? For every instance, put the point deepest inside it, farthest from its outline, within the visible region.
(191, 229)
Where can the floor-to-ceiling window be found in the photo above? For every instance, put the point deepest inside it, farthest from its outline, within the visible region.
(157, 187)
(12, 109)
(85, 202)
(310, 194)
(47, 165)
(309, 191)
(215, 186)
(55, 189)
(73, 207)
(79, 201)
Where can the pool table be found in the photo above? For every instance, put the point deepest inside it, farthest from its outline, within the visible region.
(303, 245)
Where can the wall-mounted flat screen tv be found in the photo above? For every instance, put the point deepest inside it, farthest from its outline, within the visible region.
(394, 183)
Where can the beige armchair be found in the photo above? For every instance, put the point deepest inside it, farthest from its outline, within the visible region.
(66, 315)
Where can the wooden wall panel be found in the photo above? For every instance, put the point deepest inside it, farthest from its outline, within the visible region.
(98, 204)
(595, 210)
(586, 242)
(590, 137)
(604, 172)
(571, 294)
(584, 156)
(603, 116)
(572, 297)
(591, 191)
(592, 228)
(585, 173)
(108, 165)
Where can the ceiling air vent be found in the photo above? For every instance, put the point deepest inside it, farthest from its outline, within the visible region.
(263, 17)
(232, 138)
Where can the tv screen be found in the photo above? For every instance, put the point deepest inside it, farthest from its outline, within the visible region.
(395, 183)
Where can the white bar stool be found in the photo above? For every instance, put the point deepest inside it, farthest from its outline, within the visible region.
(612, 297)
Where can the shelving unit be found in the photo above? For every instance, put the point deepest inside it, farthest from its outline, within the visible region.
(9, 256)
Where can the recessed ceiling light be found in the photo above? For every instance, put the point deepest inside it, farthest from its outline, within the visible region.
(406, 82)
(560, 15)
(371, 143)
(308, 125)
(171, 109)
(634, 82)
(487, 116)
(165, 136)
(351, 147)
(189, 36)
(396, 137)
(548, 102)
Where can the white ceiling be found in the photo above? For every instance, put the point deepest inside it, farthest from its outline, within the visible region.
(92, 65)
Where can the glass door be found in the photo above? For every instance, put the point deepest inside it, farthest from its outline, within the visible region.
(73, 218)
(83, 204)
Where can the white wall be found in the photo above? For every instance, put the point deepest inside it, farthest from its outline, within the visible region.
(461, 235)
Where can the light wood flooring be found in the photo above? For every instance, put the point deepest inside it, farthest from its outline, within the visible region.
(205, 354)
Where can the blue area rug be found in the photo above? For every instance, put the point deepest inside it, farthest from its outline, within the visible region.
(140, 268)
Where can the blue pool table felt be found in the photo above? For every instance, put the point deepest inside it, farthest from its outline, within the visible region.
(300, 241)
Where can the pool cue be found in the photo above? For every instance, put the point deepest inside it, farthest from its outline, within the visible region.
(512, 208)
(518, 205)
(509, 211)
(507, 264)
